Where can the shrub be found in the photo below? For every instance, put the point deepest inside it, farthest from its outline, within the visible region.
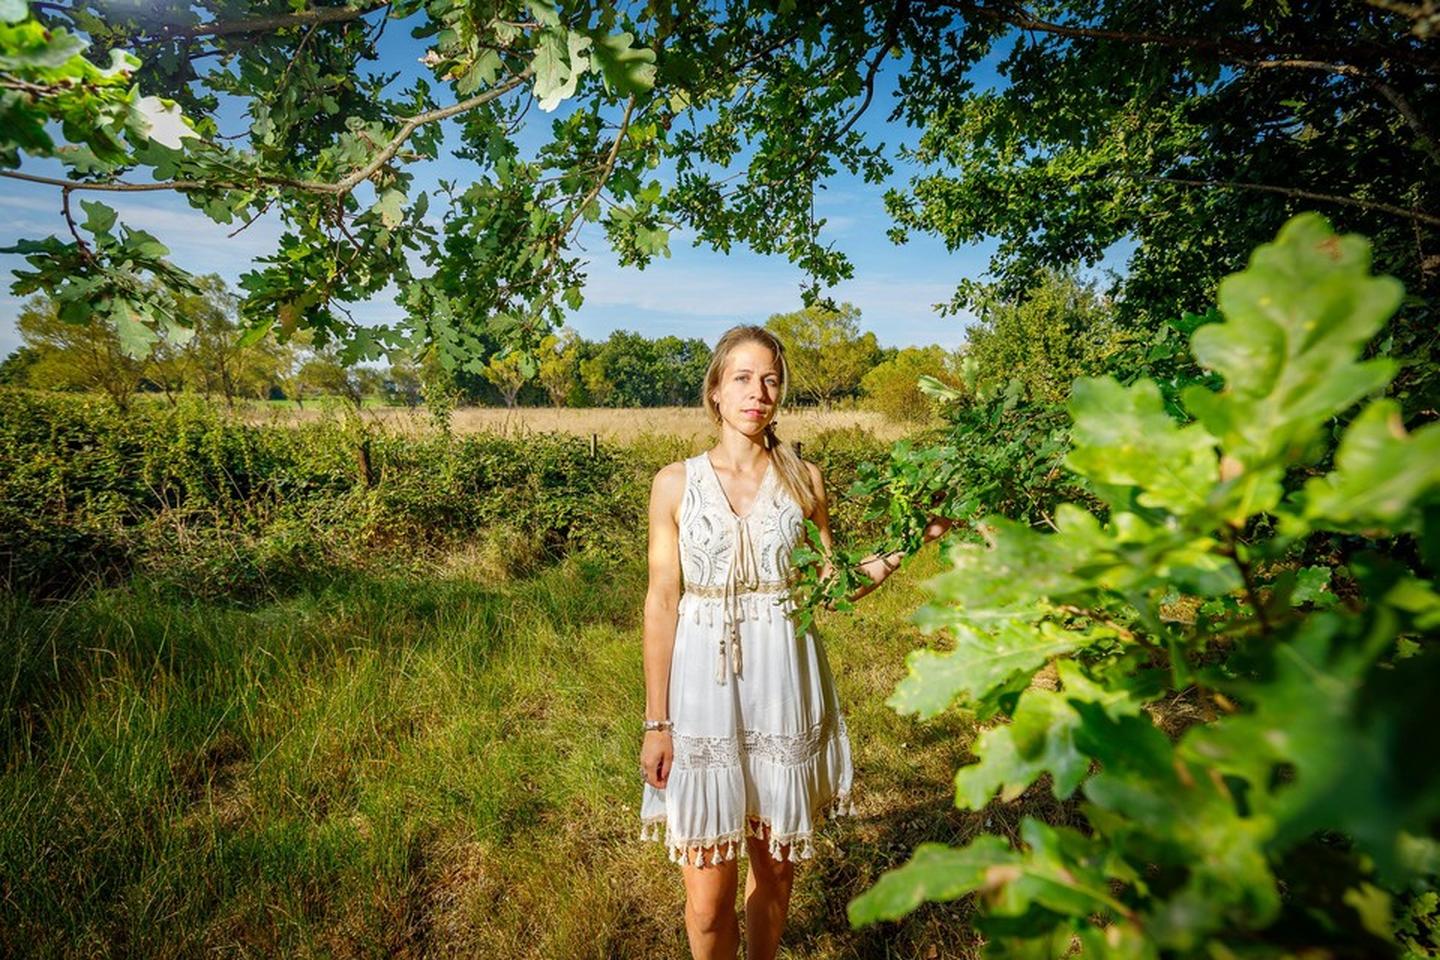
(1291, 807)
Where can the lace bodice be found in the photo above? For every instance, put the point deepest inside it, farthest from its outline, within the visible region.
(710, 530)
(729, 561)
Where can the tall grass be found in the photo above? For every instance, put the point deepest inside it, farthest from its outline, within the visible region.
(402, 766)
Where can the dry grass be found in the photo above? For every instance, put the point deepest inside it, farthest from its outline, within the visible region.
(609, 424)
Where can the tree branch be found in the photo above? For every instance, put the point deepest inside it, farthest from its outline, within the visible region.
(887, 38)
(605, 170)
(35, 90)
(1021, 18)
(1303, 194)
(337, 188)
(1247, 575)
(70, 222)
(1412, 117)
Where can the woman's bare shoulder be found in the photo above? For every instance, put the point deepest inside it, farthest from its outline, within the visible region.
(669, 481)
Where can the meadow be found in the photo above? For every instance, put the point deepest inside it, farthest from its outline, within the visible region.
(620, 425)
(400, 744)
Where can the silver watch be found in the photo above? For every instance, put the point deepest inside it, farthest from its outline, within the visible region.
(657, 725)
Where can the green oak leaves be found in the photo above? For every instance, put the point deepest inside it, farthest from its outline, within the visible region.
(297, 114)
(1200, 583)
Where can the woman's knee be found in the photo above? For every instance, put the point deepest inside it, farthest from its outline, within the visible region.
(767, 866)
(710, 911)
(710, 892)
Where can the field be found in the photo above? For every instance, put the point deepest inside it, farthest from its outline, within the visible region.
(617, 425)
(402, 767)
(361, 753)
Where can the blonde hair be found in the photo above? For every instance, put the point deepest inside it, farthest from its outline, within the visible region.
(789, 468)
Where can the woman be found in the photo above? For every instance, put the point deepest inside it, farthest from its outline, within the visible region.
(745, 745)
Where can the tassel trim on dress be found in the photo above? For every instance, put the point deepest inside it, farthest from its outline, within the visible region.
(801, 843)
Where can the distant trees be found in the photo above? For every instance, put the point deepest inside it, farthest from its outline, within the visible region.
(71, 356)
(892, 387)
(65, 356)
(321, 372)
(597, 383)
(15, 369)
(213, 361)
(402, 383)
(830, 359)
(506, 374)
(1059, 330)
(631, 370)
(826, 352)
(559, 371)
(682, 363)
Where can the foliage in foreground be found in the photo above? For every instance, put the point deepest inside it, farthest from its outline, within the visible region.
(1279, 600)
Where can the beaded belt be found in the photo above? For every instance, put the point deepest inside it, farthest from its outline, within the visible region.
(765, 586)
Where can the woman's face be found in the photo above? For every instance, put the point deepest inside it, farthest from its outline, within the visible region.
(749, 389)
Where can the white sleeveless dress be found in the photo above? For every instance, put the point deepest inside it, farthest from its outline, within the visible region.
(758, 732)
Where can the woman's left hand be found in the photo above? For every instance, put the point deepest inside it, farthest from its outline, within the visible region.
(937, 526)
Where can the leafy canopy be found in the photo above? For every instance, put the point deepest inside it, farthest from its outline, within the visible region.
(1135, 121)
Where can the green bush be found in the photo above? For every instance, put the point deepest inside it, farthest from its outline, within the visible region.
(1244, 639)
(201, 504)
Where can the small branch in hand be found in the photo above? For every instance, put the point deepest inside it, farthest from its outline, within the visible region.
(1247, 575)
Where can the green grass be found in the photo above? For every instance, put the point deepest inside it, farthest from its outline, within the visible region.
(407, 767)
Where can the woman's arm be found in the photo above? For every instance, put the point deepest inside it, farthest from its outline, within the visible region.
(876, 567)
(662, 599)
(662, 612)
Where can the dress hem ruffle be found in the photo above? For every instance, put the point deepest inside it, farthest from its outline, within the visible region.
(691, 850)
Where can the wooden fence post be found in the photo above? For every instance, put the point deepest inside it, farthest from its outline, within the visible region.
(594, 442)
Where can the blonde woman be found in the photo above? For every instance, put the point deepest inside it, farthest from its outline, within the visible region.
(745, 748)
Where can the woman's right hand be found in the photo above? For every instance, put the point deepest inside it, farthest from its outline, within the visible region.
(655, 756)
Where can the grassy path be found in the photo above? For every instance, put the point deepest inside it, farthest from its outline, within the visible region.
(393, 767)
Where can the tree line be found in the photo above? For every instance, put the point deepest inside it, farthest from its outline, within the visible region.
(1035, 345)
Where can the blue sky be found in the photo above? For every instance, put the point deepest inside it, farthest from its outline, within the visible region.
(697, 292)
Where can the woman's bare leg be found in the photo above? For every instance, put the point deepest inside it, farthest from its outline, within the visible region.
(767, 897)
(710, 918)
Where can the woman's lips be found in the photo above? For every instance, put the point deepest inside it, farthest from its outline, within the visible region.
(754, 414)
